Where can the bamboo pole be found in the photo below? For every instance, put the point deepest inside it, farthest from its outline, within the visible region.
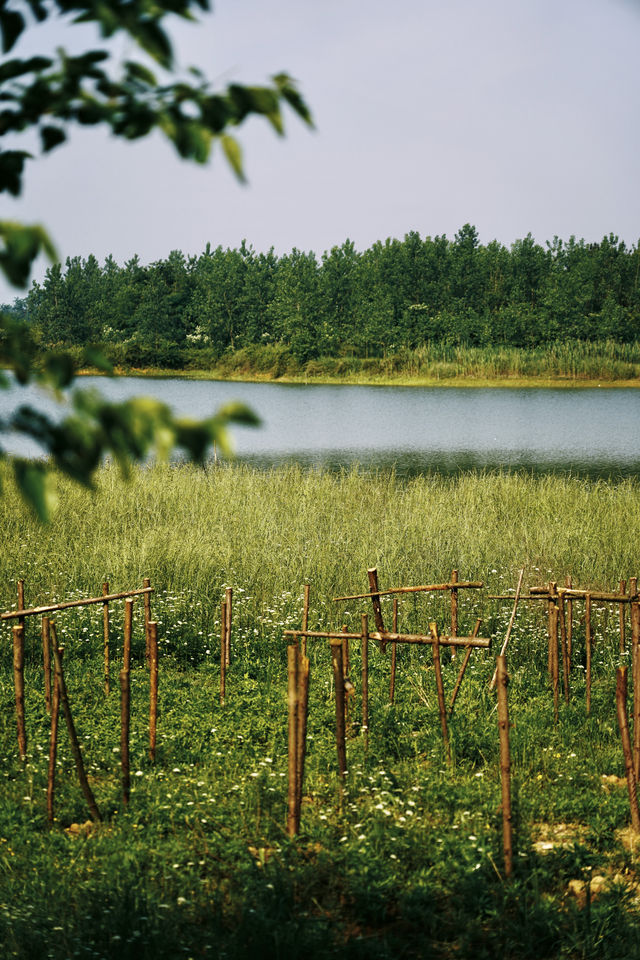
(635, 667)
(147, 620)
(128, 629)
(621, 706)
(440, 688)
(552, 590)
(18, 682)
(53, 748)
(428, 588)
(394, 653)
(125, 720)
(565, 647)
(569, 583)
(105, 637)
(483, 643)
(301, 731)
(505, 764)
(338, 679)
(365, 679)
(153, 688)
(68, 604)
(555, 676)
(305, 617)
(223, 650)
(229, 601)
(293, 656)
(73, 737)
(46, 662)
(587, 628)
(463, 667)
(20, 602)
(372, 574)
(512, 619)
(623, 589)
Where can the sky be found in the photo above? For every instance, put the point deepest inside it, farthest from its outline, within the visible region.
(518, 116)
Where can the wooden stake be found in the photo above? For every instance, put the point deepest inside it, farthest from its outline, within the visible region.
(365, 679)
(505, 764)
(305, 617)
(553, 636)
(73, 738)
(551, 594)
(635, 667)
(509, 628)
(105, 638)
(229, 602)
(565, 648)
(621, 705)
(394, 653)
(454, 610)
(587, 628)
(375, 602)
(223, 650)
(53, 748)
(345, 675)
(569, 583)
(128, 627)
(301, 731)
(21, 620)
(18, 682)
(147, 620)
(623, 590)
(293, 656)
(463, 667)
(125, 718)
(440, 688)
(153, 688)
(338, 679)
(46, 662)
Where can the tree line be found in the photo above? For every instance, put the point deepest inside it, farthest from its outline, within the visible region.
(396, 295)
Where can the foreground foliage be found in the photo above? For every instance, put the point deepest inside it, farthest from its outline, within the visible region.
(409, 863)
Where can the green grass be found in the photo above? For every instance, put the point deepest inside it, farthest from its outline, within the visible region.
(409, 863)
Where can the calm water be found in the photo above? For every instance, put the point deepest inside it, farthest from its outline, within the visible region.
(590, 432)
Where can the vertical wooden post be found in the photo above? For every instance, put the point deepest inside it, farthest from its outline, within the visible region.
(440, 688)
(73, 737)
(125, 719)
(635, 668)
(372, 573)
(21, 620)
(365, 679)
(153, 688)
(394, 646)
(345, 674)
(338, 679)
(105, 637)
(565, 648)
(623, 589)
(505, 764)
(147, 620)
(229, 602)
(18, 682)
(569, 583)
(587, 628)
(553, 640)
(46, 662)
(550, 603)
(454, 610)
(463, 667)
(293, 655)
(53, 747)
(305, 617)
(301, 734)
(223, 650)
(621, 706)
(128, 626)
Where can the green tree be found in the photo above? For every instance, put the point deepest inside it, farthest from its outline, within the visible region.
(47, 96)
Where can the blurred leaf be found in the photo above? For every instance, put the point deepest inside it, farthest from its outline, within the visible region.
(233, 153)
(12, 24)
(35, 484)
(51, 137)
(58, 370)
(11, 167)
(94, 357)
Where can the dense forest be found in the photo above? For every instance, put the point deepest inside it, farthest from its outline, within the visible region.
(396, 296)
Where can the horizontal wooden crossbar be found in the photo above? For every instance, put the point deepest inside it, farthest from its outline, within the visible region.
(51, 608)
(570, 594)
(482, 642)
(458, 585)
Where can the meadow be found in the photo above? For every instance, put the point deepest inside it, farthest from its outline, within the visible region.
(406, 861)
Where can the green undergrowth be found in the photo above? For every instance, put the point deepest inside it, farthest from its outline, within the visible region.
(407, 860)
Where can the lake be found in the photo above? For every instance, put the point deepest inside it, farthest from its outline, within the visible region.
(589, 432)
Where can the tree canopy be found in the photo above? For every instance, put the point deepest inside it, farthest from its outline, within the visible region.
(49, 95)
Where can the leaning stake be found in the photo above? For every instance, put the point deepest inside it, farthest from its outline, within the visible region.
(509, 628)
(505, 764)
(463, 667)
(46, 662)
(440, 688)
(621, 705)
(75, 746)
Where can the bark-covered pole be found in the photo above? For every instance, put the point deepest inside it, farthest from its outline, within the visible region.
(365, 679)
(153, 688)
(440, 689)
(46, 662)
(105, 637)
(53, 748)
(18, 682)
(305, 617)
(505, 764)
(128, 628)
(635, 672)
(587, 628)
(301, 730)
(229, 607)
(293, 655)
(147, 620)
(223, 651)
(338, 679)
(621, 706)
(622, 613)
(394, 653)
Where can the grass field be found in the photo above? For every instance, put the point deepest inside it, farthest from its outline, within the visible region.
(408, 863)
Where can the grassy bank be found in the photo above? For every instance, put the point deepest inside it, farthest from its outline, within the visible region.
(558, 364)
(410, 862)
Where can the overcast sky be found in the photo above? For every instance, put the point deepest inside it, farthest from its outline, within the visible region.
(515, 115)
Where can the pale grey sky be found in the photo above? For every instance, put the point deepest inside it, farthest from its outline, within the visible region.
(513, 115)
